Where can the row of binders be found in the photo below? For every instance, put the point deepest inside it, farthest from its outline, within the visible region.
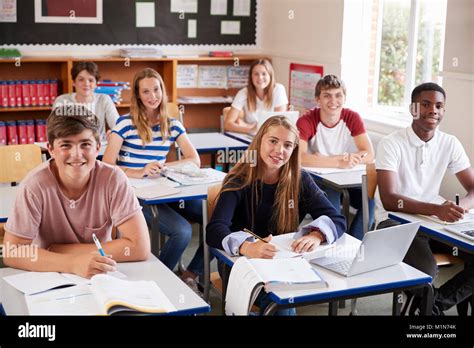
(22, 132)
(25, 93)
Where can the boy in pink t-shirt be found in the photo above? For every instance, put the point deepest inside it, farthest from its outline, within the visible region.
(64, 201)
(334, 137)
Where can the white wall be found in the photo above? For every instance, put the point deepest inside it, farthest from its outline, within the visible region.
(313, 36)
(458, 81)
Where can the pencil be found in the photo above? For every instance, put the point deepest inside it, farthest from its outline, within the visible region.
(253, 234)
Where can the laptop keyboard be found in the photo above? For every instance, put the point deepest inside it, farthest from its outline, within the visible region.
(341, 267)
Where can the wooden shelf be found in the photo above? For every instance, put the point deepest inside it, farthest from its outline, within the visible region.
(198, 115)
(26, 108)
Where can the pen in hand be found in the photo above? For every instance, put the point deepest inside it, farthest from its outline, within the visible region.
(256, 236)
(97, 244)
(457, 199)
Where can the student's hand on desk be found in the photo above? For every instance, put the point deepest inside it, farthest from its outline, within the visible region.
(152, 169)
(309, 242)
(450, 212)
(349, 160)
(88, 265)
(258, 249)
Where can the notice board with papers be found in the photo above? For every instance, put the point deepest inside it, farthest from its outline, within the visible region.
(124, 22)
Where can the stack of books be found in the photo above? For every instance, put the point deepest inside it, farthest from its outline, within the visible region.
(113, 89)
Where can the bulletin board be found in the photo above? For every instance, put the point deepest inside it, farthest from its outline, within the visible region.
(128, 22)
(303, 79)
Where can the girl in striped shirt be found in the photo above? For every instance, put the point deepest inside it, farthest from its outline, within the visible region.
(139, 144)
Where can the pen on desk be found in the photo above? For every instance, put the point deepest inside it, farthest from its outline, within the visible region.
(97, 244)
(253, 234)
(457, 199)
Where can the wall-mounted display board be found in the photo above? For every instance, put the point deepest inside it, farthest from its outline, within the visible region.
(128, 22)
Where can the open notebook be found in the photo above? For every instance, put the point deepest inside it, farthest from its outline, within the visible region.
(31, 283)
(190, 174)
(249, 276)
(283, 243)
(105, 295)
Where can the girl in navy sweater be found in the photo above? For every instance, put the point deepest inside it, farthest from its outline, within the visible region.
(271, 196)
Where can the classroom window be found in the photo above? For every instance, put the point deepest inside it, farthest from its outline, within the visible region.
(407, 39)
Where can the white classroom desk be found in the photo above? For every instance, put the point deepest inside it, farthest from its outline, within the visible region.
(245, 138)
(212, 143)
(435, 230)
(7, 199)
(394, 279)
(186, 193)
(180, 295)
(8, 194)
(340, 182)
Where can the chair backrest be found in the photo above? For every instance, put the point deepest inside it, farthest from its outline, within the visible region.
(369, 186)
(17, 160)
(212, 192)
(175, 111)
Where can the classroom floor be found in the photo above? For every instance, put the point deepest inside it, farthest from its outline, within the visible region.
(373, 305)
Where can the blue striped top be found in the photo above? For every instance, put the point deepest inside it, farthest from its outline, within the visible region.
(133, 153)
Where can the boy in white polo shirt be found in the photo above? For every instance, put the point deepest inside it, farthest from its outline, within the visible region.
(335, 137)
(410, 166)
(61, 203)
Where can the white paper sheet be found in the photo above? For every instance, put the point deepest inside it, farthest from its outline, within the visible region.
(145, 14)
(241, 8)
(145, 182)
(8, 11)
(192, 28)
(74, 300)
(212, 76)
(187, 76)
(242, 281)
(230, 27)
(218, 7)
(186, 6)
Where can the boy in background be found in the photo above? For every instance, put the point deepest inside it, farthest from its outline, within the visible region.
(332, 136)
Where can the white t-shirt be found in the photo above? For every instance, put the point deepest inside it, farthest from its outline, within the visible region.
(240, 102)
(102, 106)
(419, 166)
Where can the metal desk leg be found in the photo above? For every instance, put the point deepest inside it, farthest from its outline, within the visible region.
(428, 298)
(271, 308)
(207, 264)
(397, 303)
(213, 160)
(225, 272)
(155, 231)
(346, 204)
(333, 308)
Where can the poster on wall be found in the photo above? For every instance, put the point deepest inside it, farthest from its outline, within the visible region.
(68, 11)
(8, 11)
(303, 79)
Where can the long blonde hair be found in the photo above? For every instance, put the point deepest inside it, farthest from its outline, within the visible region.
(285, 217)
(268, 92)
(137, 109)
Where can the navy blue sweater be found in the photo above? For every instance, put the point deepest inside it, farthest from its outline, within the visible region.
(232, 212)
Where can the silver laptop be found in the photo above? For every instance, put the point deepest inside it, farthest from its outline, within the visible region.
(464, 230)
(380, 248)
(265, 115)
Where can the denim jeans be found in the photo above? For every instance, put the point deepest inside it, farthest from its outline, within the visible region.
(173, 223)
(355, 197)
(263, 300)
